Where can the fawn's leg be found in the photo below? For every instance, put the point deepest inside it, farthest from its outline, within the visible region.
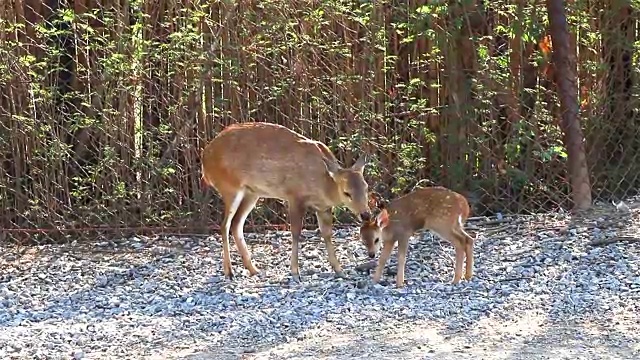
(458, 243)
(467, 242)
(325, 223)
(403, 247)
(468, 249)
(468, 274)
(296, 214)
(382, 261)
(457, 273)
(237, 225)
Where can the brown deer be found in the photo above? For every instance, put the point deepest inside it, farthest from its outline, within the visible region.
(247, 161)
(438, 209)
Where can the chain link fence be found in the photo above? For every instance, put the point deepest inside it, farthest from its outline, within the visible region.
(106, 105)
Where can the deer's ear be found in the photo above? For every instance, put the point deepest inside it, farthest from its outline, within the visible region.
(360, 163)
(332, 167)
(382, 219)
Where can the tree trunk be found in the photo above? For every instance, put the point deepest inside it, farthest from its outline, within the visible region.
(565, 64)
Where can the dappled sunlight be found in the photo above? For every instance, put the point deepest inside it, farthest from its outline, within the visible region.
(528, 335)
(527, 323)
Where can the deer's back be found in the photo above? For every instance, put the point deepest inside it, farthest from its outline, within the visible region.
(430, 207)
(269, 159)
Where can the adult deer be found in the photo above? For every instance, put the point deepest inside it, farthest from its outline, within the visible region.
(255, 160)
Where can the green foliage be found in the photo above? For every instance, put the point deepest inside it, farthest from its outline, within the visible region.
(432, 91)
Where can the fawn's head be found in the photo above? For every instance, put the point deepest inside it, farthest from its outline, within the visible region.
(352, 187)
(371, 232)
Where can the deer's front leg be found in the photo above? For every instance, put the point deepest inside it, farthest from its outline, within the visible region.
(325, 223)
(296, 214)
(382, 261)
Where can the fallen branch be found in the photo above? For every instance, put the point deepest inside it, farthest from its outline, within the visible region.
(605, 242)
(515, 279)
(484, 221)
(496, 230)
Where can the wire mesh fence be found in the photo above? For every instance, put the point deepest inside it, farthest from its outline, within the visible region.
(106, 105)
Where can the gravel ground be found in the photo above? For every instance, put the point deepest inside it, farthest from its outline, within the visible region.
(542, 290)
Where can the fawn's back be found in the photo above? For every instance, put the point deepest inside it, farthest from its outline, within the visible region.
(429, 208)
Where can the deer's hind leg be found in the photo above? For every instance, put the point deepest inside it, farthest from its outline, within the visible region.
(470, 261)
(232, 200)
(237, 224)
(458, 243)
(468, 243)
(457, 274)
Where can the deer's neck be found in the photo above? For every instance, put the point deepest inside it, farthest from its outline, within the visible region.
(332, 192)
(399, 226)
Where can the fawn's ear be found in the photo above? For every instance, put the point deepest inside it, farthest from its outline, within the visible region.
(374, 199)
(382, 219)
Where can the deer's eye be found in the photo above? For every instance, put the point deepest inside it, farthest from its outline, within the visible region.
(377, 241)
(347, 194)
